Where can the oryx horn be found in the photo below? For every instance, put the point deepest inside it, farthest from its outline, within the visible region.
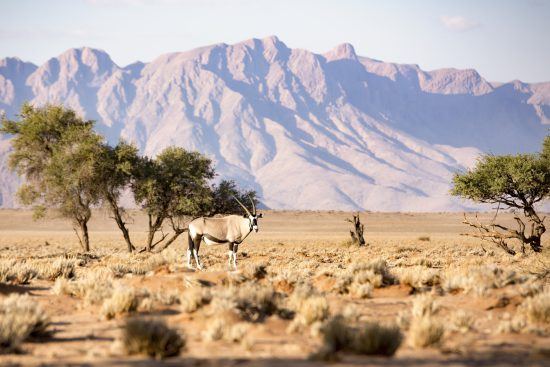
(253, 206)
(241, 204)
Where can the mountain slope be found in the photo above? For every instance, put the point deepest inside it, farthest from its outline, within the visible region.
(308, 131)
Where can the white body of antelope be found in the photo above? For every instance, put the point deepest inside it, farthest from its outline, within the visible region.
(230, 230)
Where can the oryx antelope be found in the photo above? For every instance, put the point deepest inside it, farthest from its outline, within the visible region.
(230, 230)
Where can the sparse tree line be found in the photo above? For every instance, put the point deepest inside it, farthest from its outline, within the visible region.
(70, 168)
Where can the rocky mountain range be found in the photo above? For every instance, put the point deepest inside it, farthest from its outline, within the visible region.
(306, 130)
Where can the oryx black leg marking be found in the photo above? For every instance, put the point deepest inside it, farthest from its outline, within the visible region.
(195, 250)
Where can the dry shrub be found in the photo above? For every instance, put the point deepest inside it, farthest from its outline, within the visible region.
(122, 300)
(194, 298)
(94, 287)
(20, 319)
(16, 273)
(252, 302)
(152, 338)
(255, 271)
(480, 279)
(137, 264)
(221, 328)
(167, 297)
(462, 321)
(425, 330)
(537, 308)
(374, 273)
(60, 268)
(419, 278)
(309, 307)
(214, 329)
(424, 305)
(370, 339)
(424, 238)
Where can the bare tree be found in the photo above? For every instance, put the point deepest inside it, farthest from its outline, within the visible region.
(357, 232)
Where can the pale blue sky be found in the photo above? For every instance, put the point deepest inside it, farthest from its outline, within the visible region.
(502, 39)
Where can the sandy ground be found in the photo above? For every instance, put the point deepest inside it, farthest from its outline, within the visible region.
(310, 246)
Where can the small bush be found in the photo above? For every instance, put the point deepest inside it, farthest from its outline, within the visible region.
(424, 238)
(424, 305)
(194, 298)
(375, 339)
(462, 321)
(537, 308)
(425, 331)
(123, 300)
(152, 338)
(369, 339)
(214, 330)
(20, 319)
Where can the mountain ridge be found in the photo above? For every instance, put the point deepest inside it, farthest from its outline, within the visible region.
(308, 131)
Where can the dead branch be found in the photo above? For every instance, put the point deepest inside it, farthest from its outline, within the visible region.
(357, 233)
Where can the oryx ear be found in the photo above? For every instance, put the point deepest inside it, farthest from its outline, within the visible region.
(261, 215)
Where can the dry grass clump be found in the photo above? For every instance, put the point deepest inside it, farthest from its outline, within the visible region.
(361, 278)
(60, 268)
(20, 319)
(480, 279)
(122, 300)
(94, 287)
(220, 328)
(537, 308)
(167, 297)
(424, 238)
(152, 338)
(462, 321)
(21, 272)
(194, 298)
(252, 302)
(137, 264)
(425, 330)
(309, 307)
(255, 271)
(16, 272)
(419, 278)
(369, 339)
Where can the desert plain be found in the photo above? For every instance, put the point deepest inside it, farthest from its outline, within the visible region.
(450, 300)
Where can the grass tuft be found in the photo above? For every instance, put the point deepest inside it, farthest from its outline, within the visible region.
(152, 338)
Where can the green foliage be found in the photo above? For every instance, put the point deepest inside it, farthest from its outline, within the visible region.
(175, 183)
(514, 180)
(37, 133)
(57, 152)
(171, 186)
(517, 181)
(223, 198)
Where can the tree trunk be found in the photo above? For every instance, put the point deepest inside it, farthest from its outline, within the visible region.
(357, 234)
(85, 238)
(118, 218)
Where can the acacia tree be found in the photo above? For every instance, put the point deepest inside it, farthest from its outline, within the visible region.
(57, 153)
(223, 198)
(517, 182)
(172, 186)
(117, 168)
